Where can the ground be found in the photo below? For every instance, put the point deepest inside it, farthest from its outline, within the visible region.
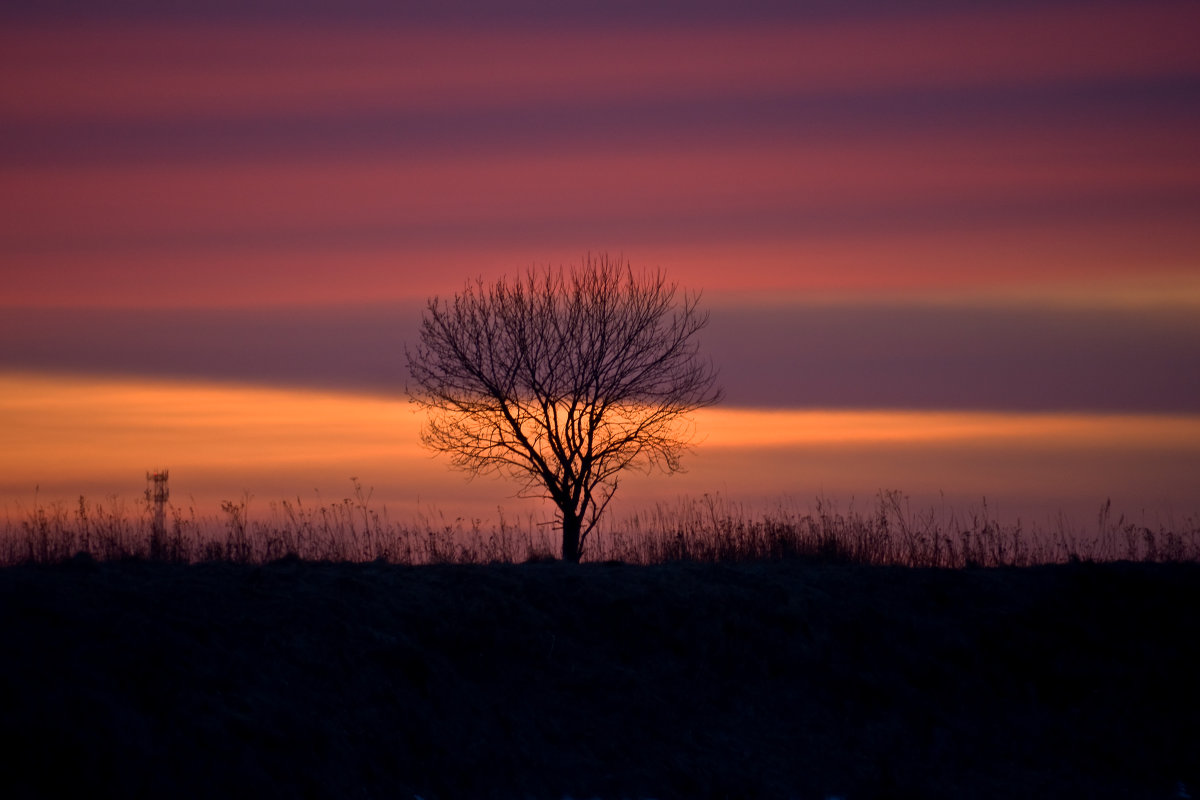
(780, 679)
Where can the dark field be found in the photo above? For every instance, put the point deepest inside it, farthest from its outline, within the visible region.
(772, 679)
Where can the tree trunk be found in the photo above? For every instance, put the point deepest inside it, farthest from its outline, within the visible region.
(571, 527)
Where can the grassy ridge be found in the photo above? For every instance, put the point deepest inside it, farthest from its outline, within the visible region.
(706, 529)
(776, 679)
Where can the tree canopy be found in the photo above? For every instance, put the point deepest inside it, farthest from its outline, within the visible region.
(563, 378)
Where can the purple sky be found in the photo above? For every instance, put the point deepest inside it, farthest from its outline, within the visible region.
(819, 356)
(934, 205)
(928, 205)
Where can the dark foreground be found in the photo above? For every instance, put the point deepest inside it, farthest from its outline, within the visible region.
(543, 680)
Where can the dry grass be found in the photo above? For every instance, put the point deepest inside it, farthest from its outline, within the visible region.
(708, 529)
(349, 530)
(891, 532)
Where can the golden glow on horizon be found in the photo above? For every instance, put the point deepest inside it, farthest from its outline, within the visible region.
(769, 428)
(60, 420)
(97, 437)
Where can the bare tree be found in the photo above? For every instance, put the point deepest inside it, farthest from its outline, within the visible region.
(562, 378)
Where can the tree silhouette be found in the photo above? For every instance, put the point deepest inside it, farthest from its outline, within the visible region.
(562, 378)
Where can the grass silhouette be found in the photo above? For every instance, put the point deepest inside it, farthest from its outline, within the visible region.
(327, 651)
(707, 529)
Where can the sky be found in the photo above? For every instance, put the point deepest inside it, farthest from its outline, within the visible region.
(978, 209)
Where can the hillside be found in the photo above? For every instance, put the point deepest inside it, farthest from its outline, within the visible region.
(777, 679)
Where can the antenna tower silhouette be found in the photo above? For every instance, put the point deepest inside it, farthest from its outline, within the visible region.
(157, 493)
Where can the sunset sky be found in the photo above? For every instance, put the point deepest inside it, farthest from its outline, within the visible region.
(222, 222)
